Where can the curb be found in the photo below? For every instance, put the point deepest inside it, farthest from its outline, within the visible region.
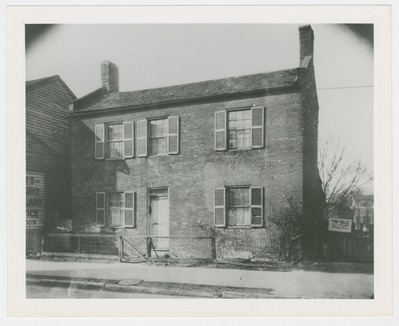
(148, 290)
(209, 292)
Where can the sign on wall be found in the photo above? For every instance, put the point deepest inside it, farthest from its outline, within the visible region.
(340, 225)
(35, 191)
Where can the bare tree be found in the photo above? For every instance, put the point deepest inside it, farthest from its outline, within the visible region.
(340, 174)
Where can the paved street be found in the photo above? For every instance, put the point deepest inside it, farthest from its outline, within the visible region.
(295, 283)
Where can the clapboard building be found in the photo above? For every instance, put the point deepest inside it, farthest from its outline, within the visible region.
(216, 157)
(47, 157)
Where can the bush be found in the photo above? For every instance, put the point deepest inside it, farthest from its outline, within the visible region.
(286, 229)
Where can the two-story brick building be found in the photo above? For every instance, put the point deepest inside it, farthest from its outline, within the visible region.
(178, 162)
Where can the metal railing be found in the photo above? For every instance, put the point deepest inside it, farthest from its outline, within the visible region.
(126, 248)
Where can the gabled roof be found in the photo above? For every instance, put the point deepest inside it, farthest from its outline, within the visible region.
(100, 100)
(33, 84)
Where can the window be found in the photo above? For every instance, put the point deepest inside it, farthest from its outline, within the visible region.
(158, 137)
(114, 147)
(239, 206)
(115, 209)
(239, 129)
(114, 141)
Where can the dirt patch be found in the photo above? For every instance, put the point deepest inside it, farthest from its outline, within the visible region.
(330, 267)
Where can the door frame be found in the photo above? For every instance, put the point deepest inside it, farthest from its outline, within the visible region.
(149, 195)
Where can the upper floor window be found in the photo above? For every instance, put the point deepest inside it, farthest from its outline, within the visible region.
(158, 137)
(239, 206)
(114, 141)
(239, 129)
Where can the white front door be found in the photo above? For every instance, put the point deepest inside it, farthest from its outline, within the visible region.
(160, 222)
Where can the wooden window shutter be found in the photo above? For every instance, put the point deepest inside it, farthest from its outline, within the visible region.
(129, 208)
(100, 208)
(257, 206)
(173, 136)
(99, 141)
(128, 139)
(220, 131)
(258, 133)
(142, 138)
(220, 207)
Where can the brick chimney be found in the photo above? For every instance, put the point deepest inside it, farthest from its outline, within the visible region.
(110, 76)
(306, 39)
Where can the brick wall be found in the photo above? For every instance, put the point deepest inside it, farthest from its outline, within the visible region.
(314, 200)
(193, 175)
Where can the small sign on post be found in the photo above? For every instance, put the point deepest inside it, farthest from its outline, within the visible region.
(340, 225)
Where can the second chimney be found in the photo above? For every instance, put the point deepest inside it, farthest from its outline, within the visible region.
(110, 76)
(306, 39)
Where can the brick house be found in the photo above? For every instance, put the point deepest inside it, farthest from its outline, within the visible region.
(48, 161)
(182, 162)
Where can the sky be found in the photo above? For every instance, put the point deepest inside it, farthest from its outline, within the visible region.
(154, 55)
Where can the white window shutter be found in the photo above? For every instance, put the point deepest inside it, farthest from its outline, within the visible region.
(128, 139)
(220, 207)
(142, 138)
(129, 208)
(173, 136)
(256, 206)
(258, 129)
(220, 131)
(100, 208)
(99, 141)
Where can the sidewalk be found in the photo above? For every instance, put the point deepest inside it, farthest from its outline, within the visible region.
(239, 283)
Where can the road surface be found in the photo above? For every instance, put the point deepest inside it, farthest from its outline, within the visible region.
(45, 292)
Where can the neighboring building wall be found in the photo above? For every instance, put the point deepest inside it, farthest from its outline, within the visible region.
(358, 245)
(48, 153)
(363, 227)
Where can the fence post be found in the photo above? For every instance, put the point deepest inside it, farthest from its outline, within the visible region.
(78, 245)
(148, 247)
(41, 245)
(120, 248)
(213, 244)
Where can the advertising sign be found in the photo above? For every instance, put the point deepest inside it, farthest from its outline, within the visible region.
(340, 225)
(35, 190)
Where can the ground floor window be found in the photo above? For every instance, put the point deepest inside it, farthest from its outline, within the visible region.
(115, 209)
(239, 207)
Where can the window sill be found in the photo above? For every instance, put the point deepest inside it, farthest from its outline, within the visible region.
(105, 228)
(239, 150)
(241, 227)
(159, 155)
